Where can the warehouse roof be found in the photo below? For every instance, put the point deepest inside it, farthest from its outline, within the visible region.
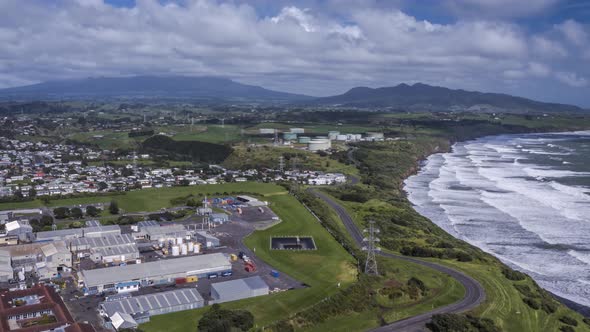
(171, 230)
(125, 250)
(104, 241)
(5, 264)
(143, 303)
(190, 265)
(79, 232)
(228, 289)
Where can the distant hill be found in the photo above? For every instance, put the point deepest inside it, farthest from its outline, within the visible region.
(423, 97)
(148, 87)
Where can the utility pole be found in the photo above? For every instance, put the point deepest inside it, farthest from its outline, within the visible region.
(371, 263)
(281, 164)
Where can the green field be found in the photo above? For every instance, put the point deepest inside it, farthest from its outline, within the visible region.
(209, 133)
(111, 140)
(257, 157)
(322, 270)
(155, 198)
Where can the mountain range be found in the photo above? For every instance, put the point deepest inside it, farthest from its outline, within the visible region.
(423, 97)
(148, 87)
(416, 97)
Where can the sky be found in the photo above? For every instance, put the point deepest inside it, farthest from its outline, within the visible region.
(538, 49)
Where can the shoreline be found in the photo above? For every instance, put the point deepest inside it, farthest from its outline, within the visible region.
(421, 163)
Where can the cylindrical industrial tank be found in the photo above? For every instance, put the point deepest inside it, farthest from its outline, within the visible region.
(191, 247)
(319, 144)
(21, 276)
(179, 240)
(183, 249)
(304, 139)
(341, 137)
(197, 248)
(175, 250)
(333, 134)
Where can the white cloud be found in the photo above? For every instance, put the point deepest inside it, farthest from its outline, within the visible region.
(548, 48)
(574, 32)
(571, 79)
(293, 48)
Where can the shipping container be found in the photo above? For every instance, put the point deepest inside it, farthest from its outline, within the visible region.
(192, 279)
(274, 273)
(180, 281)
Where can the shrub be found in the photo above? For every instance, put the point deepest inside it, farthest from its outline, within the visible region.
(567, 328)
(449, 323)
(511, 274)
(548, 305)
(568, 320)
(533, 303)
(525, 290)
(587, 321)
(114, 207)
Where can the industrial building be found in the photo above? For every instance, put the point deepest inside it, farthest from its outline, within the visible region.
(106, 249)
(207, 239)
(130, 277)
(140, 308)
(319, 144)
(297, 130)
(20, 229)
(20, 311)
(72, 233)
(238, 289)
(46, 259)
(163, 233)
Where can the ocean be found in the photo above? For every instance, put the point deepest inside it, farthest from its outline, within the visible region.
(523, 198)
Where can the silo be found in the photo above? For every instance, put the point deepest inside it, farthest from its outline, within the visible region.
(183, 249)
(191, 247)
(175, 250)
(333, 134)
(304, 139)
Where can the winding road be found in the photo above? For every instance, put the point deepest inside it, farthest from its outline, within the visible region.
(474, 292)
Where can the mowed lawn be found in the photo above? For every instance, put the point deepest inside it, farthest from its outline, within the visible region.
(321, 269)
(155, 198)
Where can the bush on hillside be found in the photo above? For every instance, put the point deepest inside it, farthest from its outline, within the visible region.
(511, 274)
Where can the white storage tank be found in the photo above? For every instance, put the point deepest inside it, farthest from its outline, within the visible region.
(179, 240)
(319, 144)
(175, 250)
(191, 247)
(341, 137)
(197, 248)
(183, 249)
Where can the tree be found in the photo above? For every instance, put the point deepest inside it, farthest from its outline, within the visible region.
(32, 192)
(102, 185)
(114, 207)
(46, 220)
(221, 320)
(61, 212)
(76, 213)
(92, 211)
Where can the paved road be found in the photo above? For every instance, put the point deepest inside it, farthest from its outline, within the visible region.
(474, 292)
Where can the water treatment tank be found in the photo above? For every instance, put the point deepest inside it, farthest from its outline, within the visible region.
(183, 249)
